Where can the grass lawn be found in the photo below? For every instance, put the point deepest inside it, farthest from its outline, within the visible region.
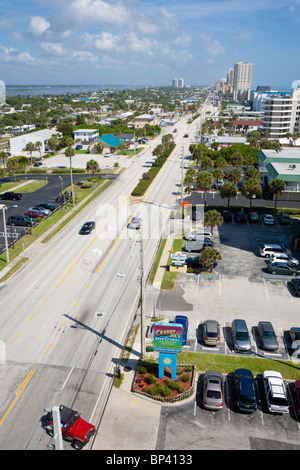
(170, 278)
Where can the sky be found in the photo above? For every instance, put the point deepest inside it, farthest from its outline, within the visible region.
(147, 42)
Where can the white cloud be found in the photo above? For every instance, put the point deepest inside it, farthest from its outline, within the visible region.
(84, 56)
(38, 25)
(183, 41)
(212, 46)
(10, 54)
(53, 48)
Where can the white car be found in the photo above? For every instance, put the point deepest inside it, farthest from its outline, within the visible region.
(135, 223)
(40, 209)
(284, 257)
(268, 219)
(199, 234)
(107, 155)
(275, 392)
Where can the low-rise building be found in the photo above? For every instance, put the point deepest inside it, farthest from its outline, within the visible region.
(143, 119)
(18, 143)
(86, 136)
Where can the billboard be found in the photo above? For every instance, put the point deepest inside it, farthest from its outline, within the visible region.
(167, 337)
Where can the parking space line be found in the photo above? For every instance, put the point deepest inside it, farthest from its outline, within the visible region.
(220, 285)
(195, 349)
(266, 288)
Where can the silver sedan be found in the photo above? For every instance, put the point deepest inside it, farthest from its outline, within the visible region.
(212, 390)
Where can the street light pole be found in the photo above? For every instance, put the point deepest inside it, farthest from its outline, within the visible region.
(143, 329)
(5, 232)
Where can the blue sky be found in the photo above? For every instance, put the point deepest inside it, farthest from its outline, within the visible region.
(147, 42)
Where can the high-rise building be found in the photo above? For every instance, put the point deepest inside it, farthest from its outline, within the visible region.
(230, 74)
(175, 82)
(180, 83)
(2, 93)
(242, 81)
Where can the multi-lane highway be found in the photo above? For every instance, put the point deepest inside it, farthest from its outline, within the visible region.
(64, 317)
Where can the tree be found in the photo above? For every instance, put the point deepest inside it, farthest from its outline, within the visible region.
(208, 258)
(276, 187)
(212, 219)
(237, 159)
(251, 189)
(252, 173)
(227, 191)
(3, 156)
(218, 175)
(53, 143)
(204, 182)
(235, 175)
(93, 166)
(30, 147)
(38, 145)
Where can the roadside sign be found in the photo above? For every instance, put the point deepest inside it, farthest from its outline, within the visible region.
(167, 337)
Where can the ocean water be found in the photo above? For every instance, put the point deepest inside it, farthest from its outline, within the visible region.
(41, 90)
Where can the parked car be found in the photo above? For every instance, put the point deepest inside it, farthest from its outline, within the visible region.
(245, 391)
(107, 154)
(37, 164)
(73, 427)
(20, 221)
(267, 336)
(135, 223)
(211, 332)
(197, 245)
(295, 339)
(35, 214)
(268, 219)
(297, 392)
(78, 147)
(284, 258)
(40, 209)
(11, 196)
(284, 219)
(196, 264)
(87, 228)
(253, 217)
(184, 321)
(226, 214)
(203, 234)
(275, 392)
(45, 205)
(185, 136)
(296, 286)
(241, 217)
(240, 336)
(283, 268)
(268, 249)
(213, 390)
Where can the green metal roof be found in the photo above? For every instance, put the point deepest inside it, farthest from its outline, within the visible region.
(110, 140)
(283, 176)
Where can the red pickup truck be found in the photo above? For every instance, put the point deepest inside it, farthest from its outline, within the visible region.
(74, 428)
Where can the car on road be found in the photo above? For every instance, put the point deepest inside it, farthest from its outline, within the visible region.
(211, 332)
(11, 196)
(275, 392)
(253, 217)
(184, 321)
(35, 214)
(267, 336)
(45, 205)
(295, 339)
(185, 136)
(202, 234)
(240, 336)
(40, 209)
(267, 250)
(73, 427)
(283, 268)
(87, 228)
(37, 164)
(284, 219)
(295, 283)
(268, 219)
(135, 223)
(284, 258)
(241, 217)
(245, 391)
(213, 390)
(107, 154)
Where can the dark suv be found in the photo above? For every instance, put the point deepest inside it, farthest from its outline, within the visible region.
(20, 220)
(11, 196)
(245, 393)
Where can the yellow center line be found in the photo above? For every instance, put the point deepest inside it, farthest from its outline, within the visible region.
(15, 338)
(48, 348)
(31, 317)
(45, 300)
(19, 391)
(76, 303)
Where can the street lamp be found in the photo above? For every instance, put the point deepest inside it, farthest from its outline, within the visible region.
(2, 206)
(61, 194)
(9, 217)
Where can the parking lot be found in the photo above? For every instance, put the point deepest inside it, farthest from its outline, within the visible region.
(238, 288)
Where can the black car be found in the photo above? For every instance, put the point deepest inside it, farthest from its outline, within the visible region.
(37, 164)
(241, 217)
(245, 391)
(284, 219)
(226, 215)
(267, 336)
(283, 268)
(45, 205)
(87, 228)
(11, 196)
(296, 286)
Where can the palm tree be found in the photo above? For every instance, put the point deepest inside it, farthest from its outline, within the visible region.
(70, 152)
(235, 175)
(218, 175)
(212, 219)
(30, 147)
(251, 189)
(276, 187)
(208, 258)
(92, 165)
(204, 182)
(227, 191)
(252, 173)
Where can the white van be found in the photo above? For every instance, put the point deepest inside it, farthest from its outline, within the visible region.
(202, 234)
(267, 250)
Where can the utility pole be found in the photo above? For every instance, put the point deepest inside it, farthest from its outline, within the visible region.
(182, 164)
(143, 329)
(5, 232)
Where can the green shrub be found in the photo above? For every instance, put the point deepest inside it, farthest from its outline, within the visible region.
(151, 379)
(185, 378)
(87, 184)
(142, 369)
(174, 386)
